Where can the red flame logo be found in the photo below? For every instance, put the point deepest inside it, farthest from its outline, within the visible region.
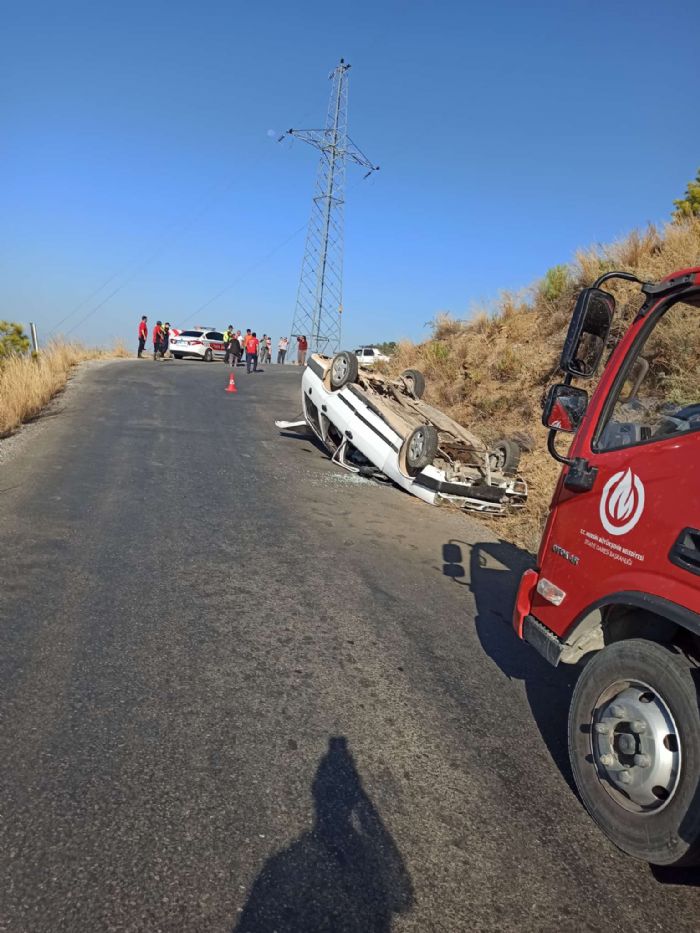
(622, 502)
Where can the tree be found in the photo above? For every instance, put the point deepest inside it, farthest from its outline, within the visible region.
(555, 282)
(12, 339)
(689, 206)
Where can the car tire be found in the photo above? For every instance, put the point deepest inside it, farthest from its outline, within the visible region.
(504, 456)
(344, 369)
(626, 677)
(415, 380)
(178, 356)
(208, 355)
(421, 448)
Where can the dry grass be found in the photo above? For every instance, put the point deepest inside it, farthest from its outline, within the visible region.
(491, 372)
(28, 384)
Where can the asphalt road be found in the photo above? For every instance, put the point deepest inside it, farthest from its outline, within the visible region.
(245, 691)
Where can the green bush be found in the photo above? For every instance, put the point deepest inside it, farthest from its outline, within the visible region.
(12, 339)
(689, 206)
(555, 282)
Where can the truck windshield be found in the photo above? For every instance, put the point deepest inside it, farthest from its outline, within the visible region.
(666, 376)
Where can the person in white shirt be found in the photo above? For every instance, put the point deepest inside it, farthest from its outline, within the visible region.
(282, 349)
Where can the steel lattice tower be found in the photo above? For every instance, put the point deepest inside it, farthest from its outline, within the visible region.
(319, 304)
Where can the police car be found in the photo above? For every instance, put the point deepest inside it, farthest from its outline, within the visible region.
(200, 343)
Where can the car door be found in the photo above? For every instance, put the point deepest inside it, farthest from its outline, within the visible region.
(638, 527)
(216, 343)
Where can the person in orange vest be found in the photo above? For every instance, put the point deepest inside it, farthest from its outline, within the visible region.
(251, 352)
(143, 335)
(157, 333)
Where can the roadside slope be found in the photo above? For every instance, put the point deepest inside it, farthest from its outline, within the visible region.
(490, 373)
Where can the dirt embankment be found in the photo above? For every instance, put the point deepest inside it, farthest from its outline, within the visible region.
(491, 372)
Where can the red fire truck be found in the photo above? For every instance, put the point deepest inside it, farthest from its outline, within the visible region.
(616, 588)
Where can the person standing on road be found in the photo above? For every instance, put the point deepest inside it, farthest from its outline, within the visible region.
(228, 334)
(236, 348)
(282, 350)
(302, 347)
(251, 352)
(164, 339)
(157, 332)
(268, 349)
(234, 353)
(143, 335)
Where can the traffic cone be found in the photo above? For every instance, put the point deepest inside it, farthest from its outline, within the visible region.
(231, 385)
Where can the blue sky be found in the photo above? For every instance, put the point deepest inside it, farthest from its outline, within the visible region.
(136, 152)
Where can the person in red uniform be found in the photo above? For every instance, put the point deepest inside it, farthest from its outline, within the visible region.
(157, 335)
(302, 347)
(143, 335)
(251, 352)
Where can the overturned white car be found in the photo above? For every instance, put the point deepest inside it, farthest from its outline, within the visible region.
(380, 427)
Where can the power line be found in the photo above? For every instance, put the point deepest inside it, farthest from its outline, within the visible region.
(157, 252)
(251, 268)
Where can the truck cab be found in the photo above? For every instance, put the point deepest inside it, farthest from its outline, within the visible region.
(616, 587)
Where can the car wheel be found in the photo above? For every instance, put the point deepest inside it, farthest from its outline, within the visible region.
(421, 447)
(415, 381)
(504, 456)
(344, 369)
(208, 356)
(634, 744)
(178, 356)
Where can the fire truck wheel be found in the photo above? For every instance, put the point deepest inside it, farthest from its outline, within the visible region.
(634, 744)
(421, 447)
(415, 380)
(505, 456)
(343, 369)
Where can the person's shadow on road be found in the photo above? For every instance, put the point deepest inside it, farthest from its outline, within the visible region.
(346, 875)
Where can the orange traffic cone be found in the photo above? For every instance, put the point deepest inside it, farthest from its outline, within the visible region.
(231, 385)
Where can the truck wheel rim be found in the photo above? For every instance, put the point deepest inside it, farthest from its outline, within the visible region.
(415, 448)
(340, 368)
(636, 746)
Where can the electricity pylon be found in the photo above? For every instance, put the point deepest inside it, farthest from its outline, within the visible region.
(319, 305)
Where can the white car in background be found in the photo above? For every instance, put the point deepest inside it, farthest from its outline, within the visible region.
(200, 343)
(368, 356)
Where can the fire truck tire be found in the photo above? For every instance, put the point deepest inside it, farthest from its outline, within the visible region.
(421, 448)
(415, 380)
(344, 369)
(634, 713)
(505, 456)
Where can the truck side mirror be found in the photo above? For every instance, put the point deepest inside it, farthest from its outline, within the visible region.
(588, 333)
(564, 408)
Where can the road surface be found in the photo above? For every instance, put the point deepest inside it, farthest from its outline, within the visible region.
(244, 691)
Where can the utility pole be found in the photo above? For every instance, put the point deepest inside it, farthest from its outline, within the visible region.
(319, 304)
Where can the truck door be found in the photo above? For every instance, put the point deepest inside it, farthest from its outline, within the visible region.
(638, 527)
